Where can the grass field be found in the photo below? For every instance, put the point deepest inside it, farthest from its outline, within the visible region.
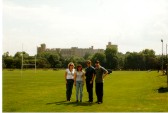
(44, 91)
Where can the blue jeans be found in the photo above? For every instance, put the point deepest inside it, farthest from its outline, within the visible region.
(79, 87)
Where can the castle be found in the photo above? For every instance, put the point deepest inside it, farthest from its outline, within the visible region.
(74, 51)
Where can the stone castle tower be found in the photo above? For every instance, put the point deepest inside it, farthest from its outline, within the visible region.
(74, 51)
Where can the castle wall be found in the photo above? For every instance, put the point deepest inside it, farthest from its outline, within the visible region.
(74, 51)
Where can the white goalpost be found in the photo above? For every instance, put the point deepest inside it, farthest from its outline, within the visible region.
(24, 64)
(27, 64)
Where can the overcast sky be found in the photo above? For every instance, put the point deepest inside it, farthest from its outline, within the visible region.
(133, 25)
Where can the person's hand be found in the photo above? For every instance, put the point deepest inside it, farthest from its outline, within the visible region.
(91, 82)
(74, 84)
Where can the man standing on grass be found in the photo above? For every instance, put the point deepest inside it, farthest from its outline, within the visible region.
(89, 73)
(100, 73)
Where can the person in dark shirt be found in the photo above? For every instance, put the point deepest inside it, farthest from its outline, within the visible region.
(89, 73)
(100, 73)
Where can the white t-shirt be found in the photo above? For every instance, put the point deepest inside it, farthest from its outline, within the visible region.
(79, 75)
(70, 75)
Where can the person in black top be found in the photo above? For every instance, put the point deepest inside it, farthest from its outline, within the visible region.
(89, 73)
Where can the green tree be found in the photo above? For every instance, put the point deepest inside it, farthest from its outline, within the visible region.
(111, 58)
(52, 58)
(58, 64)
(121, 58)
(88, 56)
(19, 55)
(9, 62)
(4, 56)
(134, 61)
(150, 61)
(42, 63)
(76, 60)
(99, 56)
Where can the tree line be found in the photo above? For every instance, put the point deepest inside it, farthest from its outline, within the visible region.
(110, 59)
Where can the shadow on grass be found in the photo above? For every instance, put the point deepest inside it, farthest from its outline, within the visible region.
(71, 103)
(163, 90)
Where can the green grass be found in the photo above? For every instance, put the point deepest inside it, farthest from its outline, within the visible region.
(44, 91)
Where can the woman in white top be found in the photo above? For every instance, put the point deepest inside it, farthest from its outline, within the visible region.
(69, 78)
(79, 82)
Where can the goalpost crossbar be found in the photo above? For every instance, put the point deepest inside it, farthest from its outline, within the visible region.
(24, 64)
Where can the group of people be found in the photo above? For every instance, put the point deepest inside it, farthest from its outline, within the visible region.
(78, 77)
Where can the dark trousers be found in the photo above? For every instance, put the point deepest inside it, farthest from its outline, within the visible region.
(69, 87)
(99, 92)
(89, 88)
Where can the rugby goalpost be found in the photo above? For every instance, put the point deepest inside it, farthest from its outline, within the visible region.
(27, 64)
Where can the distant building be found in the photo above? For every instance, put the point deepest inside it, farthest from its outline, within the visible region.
(73, 51)
(112, 46)
(41, 49)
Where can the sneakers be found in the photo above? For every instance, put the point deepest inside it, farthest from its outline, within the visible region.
(87, 101)
(68, 100)
(90, 101)
(98, 102)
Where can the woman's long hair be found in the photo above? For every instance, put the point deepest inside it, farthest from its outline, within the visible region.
(78, 67)
(71, 63)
